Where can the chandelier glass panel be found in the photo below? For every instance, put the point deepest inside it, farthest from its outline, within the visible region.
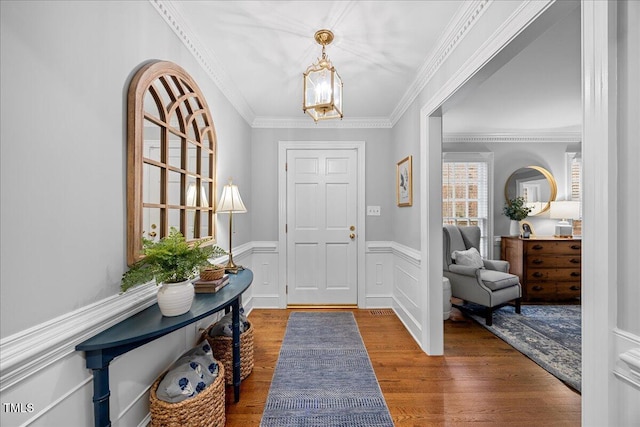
(322, 97)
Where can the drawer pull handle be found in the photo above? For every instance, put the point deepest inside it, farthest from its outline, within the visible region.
(575, 274)
(575, 288)
(537, 261)
(576, 247)
(537, 288)
(574, 261)
(537, 247)
(538, 274)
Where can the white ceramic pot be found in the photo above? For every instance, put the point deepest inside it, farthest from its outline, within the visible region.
(175, 299)
(514, 229)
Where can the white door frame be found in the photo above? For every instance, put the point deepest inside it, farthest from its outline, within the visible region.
(283, 147)
(599, 288)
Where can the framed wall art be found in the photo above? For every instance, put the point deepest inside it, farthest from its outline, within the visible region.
(404, 182)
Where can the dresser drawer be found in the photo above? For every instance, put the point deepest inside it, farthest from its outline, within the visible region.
(568, 274)
(551, 261)
(568, 290)
(553, 248)
(542, 290)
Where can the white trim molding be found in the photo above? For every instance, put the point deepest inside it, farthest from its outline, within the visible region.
(34, 349)
(204, 56)
(513, 138)
(459, 26)
(627, 349)
(31, 350)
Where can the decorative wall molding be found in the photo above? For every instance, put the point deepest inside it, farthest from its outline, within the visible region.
(399, 250)
(513, 137)
(406, 253)
(627, 351)
(31, 350)
(456, 31)
(208, 61)
(305, 123)
(461, 23)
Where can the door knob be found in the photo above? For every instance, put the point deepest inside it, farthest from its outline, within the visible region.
(352, 236)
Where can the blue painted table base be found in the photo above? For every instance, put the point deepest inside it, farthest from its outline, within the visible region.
(149, 325)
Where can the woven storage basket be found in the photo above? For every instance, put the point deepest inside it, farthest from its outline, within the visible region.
(211, 273)
(203, 410)
(223, 351)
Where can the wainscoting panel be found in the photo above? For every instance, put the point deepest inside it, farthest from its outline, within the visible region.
(266, 280)
(406, 288)
(45, 382)
(627, 368)
(379, 275)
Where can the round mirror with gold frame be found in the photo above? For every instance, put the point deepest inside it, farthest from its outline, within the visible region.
(536, 185)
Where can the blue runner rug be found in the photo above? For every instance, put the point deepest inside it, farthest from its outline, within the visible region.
(550, 335)
(324, 376)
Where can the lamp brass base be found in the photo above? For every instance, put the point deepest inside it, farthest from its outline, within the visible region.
(234, 269)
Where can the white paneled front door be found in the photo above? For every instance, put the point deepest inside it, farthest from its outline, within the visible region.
(321, 206)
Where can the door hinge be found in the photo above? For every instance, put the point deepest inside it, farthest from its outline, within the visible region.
(286, 228)
(286, 290)
(286, 167)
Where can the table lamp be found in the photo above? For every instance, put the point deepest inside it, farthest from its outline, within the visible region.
(231, 203)
(564, 210)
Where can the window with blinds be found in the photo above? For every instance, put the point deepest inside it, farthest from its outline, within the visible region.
(465, 196)
(575, 186)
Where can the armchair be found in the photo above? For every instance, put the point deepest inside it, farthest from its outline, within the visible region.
(490, 285)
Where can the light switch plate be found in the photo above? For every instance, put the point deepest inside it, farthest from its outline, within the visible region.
(373, 210)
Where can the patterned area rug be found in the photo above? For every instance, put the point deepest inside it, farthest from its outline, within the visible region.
(550, 335)
(324, 377)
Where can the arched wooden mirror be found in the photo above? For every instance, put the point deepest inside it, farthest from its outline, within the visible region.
(535, 184)
(171, 158)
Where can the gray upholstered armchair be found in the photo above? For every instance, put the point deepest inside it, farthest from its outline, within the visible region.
(488, 283)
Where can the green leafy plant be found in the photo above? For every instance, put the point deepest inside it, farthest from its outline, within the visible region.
(170, 260)
(516, 209)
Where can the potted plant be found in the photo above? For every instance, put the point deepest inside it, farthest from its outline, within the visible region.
(516, 210)
(172, 262)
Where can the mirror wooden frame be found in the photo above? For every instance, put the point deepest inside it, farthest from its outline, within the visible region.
(553, 186)
(164, 99)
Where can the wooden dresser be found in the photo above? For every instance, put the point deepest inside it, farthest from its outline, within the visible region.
(548, 267)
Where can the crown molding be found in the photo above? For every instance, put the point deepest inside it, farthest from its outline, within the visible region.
(459, 26)
(466, 16)
(307, 123)
(513, 138)
(206, 58)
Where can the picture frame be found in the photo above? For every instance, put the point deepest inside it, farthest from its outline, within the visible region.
(527, 229)
(404, 182)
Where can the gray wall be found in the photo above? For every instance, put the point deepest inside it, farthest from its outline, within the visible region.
(65, 69)
(406, 142)
(380, 178)
(509, 157)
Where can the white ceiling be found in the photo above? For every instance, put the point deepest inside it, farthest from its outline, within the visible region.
(257, 51)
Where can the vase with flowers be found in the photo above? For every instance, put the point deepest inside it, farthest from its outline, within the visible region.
(173, 263)
(516, 210)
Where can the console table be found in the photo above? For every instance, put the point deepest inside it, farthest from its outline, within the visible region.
(549, 268)
(149, 325)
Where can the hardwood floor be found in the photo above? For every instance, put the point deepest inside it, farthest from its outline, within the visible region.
(481, 380)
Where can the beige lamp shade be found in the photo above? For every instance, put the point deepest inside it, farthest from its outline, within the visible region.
(565, 209)
(191, 196)
(230, 201)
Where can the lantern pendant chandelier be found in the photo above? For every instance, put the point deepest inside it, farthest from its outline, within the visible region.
(322, 97)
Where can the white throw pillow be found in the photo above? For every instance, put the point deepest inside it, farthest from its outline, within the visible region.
(470, 257)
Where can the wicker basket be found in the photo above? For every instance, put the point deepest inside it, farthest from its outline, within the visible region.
(212, 272)
(223, 351)
(203, 410)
